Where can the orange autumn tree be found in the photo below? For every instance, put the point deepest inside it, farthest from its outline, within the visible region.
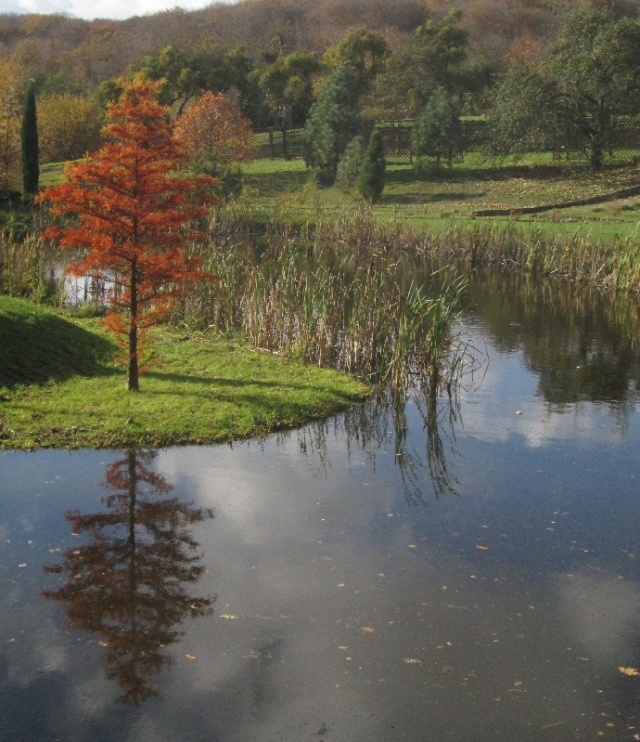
(131, 216)
(214, 128)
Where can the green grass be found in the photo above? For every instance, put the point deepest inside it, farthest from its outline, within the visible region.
(454, 194)
(51, 173)
(60, 388)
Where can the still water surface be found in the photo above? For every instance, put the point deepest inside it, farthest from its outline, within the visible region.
(462, 571)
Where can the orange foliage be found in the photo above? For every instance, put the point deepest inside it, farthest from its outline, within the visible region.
(215, 127)
(132, 215)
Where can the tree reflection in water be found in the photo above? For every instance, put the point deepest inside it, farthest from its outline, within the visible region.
(127, 583)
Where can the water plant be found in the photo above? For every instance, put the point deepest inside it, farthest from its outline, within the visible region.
(336, 296)
(27, 268)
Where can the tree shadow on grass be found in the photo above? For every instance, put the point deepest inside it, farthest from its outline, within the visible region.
(286, 181)
(490, 172)
(221, 382)
(37, 346)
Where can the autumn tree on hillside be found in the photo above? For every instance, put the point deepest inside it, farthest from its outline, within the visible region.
(214, 127)
(10, 85)
(131, 216)
(215, 137)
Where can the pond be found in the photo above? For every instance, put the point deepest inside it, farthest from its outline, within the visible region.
(464, 568)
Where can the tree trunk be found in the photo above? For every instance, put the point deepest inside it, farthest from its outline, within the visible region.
(597, 151)
(132, 370)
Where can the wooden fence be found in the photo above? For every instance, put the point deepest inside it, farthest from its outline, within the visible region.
(623, 142)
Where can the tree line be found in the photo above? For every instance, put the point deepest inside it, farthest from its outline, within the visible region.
(579, 73)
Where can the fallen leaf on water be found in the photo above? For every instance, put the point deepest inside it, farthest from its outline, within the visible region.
(191, 656)
(411, 661)
(631, 672)
(102, 643)
(481, 547)
(367, 629)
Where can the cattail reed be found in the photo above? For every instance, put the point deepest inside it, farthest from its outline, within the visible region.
(336, 296)
(27, 268)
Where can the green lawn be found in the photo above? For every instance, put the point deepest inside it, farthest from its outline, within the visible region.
(454, 194)
(59, 387)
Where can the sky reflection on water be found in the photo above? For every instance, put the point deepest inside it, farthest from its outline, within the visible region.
(355, 599)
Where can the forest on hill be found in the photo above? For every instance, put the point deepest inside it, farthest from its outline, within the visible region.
(72, 55)
(537, 66)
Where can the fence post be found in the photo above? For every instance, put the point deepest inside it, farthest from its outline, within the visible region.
(271, 146)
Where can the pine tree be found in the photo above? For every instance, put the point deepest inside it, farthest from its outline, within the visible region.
(29, 141)
(333, 121)
(437, 130)
(371, 178)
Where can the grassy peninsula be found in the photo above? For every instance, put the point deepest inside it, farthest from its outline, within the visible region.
(59, 387)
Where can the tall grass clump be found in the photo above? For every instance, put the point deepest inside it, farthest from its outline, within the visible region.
(27, 268)
(611, 264)
(334, 296)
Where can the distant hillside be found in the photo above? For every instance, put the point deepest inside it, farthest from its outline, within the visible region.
(85, 53)
(93, 51)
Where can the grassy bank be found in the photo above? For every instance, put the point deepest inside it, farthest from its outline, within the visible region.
(59, 387)
(436, 199)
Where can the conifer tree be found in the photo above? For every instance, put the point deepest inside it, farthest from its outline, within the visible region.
(436, 131)
(334, 120)
(371, 178)
(131, 212)
(29, 141)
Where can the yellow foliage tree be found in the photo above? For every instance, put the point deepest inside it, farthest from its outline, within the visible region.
(69, 126)
(11, 85)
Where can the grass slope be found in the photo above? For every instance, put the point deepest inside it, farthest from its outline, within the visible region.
(60, 388)
(435, 200)
(38, 346)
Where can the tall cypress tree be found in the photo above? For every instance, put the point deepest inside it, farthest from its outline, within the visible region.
(30, 145)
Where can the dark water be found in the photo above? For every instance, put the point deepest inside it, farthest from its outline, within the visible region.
(466, 569)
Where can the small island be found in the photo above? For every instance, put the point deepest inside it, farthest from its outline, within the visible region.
(59, 387)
